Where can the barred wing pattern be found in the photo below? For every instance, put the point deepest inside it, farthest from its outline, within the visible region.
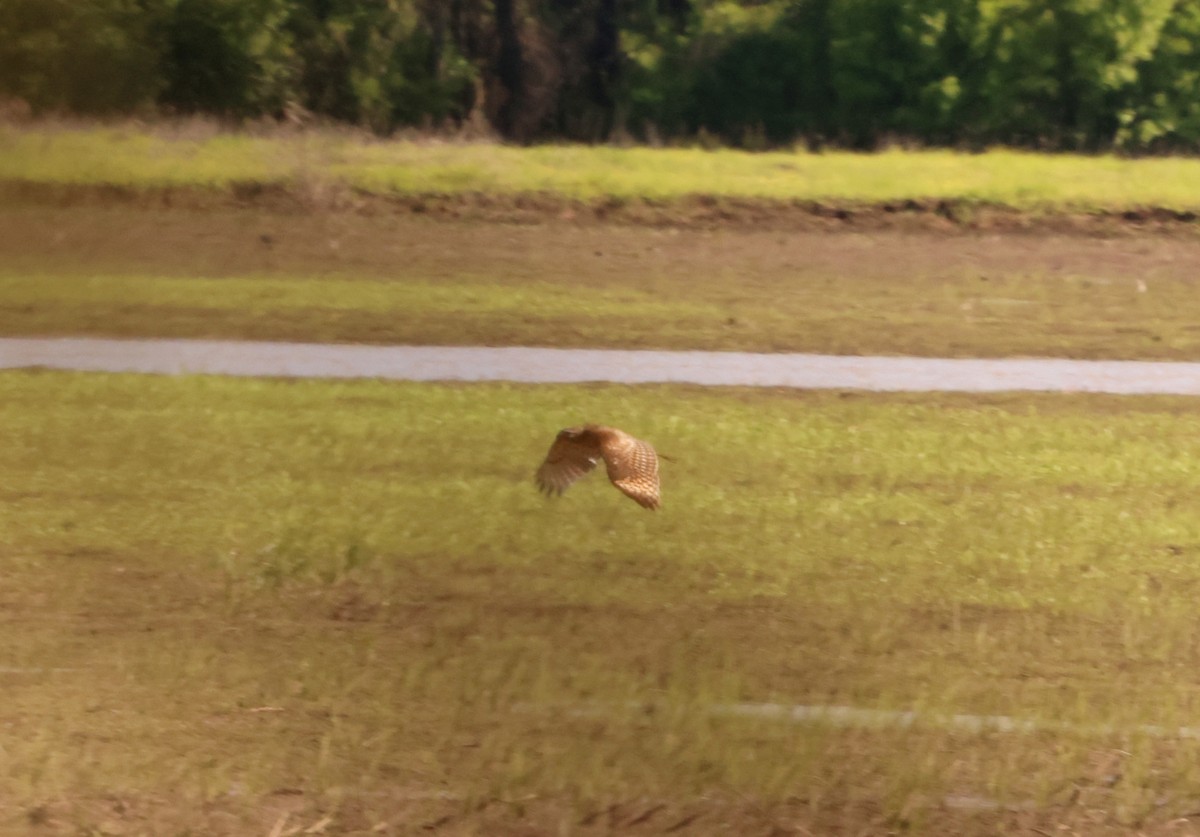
(569, 459)
(633, 468)
(632, 464)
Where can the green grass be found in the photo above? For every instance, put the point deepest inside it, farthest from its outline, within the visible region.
(1006, 318)
(347, 600)
(344, 310)
(203, 157)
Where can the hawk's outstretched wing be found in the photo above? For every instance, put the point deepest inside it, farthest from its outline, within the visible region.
(633, 468)
(570, 458)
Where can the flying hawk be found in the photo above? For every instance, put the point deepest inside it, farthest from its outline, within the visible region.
(631, 463)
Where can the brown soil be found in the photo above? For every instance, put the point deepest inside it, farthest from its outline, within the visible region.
(695, 212)
(292, 811)
(1083, 287)
(219, 235)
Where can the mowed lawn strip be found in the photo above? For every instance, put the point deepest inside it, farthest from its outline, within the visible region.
(198, 155)
(220, 592)
(242, 274)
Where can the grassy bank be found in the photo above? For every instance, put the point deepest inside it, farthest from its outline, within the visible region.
(194, 155)
(231, 602)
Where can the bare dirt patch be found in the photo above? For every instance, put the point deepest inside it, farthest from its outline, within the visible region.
(275, 230)
(692, 212)
(576, 281)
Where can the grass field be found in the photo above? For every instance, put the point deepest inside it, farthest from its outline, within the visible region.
(194, 154)
(283, 607)
(231, 604)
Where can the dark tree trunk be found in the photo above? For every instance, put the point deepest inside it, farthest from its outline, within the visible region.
(679, 10)
(467, 21)
(434, 14)
(508, 68)
(604, 62)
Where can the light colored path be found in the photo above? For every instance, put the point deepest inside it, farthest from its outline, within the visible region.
(855, 717)
(462, 363)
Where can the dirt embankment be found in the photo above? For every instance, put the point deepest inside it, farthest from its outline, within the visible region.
(692, 212)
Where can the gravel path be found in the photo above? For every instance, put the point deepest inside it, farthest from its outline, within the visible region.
(452, 363)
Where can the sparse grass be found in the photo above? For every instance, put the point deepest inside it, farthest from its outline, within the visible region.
(341, 278)
(139, 157)
(347, 600)
(348, 310)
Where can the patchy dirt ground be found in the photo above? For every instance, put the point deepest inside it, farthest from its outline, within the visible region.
(772, 278)
(697, 212)
(279, 230)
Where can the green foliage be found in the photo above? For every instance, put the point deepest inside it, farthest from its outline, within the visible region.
(412, 94)
(1064, 74)
(747, 88)
(228, 57)
(875, 64)
(93, 57)
(1163, 109)
(1060, 73)
(376, 64)
(1053, 73)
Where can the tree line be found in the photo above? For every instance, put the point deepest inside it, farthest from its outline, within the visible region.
(1054, 74)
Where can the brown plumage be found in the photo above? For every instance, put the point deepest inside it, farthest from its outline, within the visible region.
(632, 464)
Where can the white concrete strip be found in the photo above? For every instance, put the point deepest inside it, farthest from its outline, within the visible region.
(533, 365)
(850, 716)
